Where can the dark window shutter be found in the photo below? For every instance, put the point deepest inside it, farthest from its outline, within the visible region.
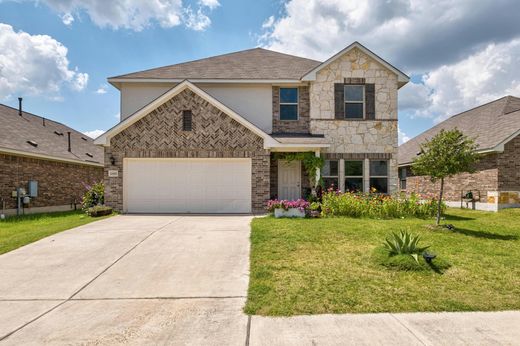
(339, 101)
(370, 101)
(187, 123)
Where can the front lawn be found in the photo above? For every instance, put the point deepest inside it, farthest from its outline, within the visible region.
(17, 231)
(314, 266)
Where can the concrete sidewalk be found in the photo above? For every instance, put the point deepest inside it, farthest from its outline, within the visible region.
(182, 280)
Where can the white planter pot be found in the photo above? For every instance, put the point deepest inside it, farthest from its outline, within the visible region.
(291, 212)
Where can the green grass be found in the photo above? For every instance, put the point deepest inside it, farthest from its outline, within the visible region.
(17, 231)
(313, 266)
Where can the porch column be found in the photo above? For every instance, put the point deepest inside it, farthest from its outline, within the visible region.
(318, 173)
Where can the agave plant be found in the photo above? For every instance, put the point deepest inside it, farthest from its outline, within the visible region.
(404, 243)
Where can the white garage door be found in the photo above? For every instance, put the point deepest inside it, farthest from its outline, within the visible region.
(187, 185)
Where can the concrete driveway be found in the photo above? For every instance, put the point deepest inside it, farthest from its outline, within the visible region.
(130, 280)
(182, 280)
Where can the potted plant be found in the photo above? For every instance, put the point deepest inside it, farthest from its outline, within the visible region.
(284, 208)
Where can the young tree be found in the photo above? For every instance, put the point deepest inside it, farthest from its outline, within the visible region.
(448, 153)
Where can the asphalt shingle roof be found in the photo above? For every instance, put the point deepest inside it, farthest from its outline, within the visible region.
(490, 124)
(256, 63)
(16, 131)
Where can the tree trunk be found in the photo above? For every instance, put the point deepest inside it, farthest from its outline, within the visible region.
(440, 202)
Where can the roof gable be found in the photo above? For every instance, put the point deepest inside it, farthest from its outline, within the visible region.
(492, 125)
(104, 139)
(401, 77)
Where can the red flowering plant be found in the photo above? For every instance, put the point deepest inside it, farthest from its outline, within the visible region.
(300, 204)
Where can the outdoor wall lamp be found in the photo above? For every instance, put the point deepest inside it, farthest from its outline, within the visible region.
(112, 160)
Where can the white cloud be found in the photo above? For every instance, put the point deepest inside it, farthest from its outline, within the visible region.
(196, 20)
(402, 137)
(416, 35)
(269, 22)
(94, 133)
(67, 19)
(102, 89)
(136, 14)
(211, 4)
(487, 75)
(35, 65)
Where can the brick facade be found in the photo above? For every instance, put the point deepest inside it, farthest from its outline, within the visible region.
(302, 125)
(494, 172)
(509, 166)
(485, 179)
(59, 183)
(214, 135)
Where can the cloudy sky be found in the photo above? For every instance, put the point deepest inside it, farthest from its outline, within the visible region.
(57, 54)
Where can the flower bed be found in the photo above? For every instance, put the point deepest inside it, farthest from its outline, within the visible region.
(376, 205)
(285, 208)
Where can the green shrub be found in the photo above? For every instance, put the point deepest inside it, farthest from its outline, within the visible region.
(404, 243)
(94, 195)
(376, 205)
(407, 262)
(99, 210)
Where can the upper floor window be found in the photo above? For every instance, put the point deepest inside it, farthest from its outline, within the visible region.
(288, 103)
(354, 101)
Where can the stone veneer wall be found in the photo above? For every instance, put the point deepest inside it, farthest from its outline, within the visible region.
(59, 183)
(292, 126)
(358, 136)
(214, 135)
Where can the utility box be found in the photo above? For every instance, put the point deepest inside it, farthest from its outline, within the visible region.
(33, 188)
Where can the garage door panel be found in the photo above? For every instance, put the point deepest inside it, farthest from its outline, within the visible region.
(187, 185)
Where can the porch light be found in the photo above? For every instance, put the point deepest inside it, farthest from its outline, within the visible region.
(112, 160)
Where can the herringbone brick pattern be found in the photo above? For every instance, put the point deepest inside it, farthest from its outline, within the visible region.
(214, 135)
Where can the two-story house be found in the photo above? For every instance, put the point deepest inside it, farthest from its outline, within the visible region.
(205, 136)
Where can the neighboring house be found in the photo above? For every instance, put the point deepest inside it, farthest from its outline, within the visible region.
(55, 158)
(496, 182)
(201, 136)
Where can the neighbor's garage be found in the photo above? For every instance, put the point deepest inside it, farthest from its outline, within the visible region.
(187, 185)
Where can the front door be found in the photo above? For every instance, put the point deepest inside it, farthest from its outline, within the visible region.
(289, 179)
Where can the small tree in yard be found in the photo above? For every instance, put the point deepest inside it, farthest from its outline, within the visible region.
(448, 153)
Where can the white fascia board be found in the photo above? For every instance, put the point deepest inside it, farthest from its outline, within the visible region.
(113, 81)
(104, 139)
(47, 157)
(311, 76)
(297, 147)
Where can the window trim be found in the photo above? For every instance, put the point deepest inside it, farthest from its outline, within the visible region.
(363, 102)
(337, 177)
(370, 176)
(362, 176)
(297, 104)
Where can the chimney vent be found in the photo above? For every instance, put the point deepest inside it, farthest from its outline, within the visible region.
(20, 106)
(68, 134)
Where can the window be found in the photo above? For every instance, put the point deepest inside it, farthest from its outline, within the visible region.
(379, 176)
(288, 103)
(402, 178)
(187, 124)
(354, 101)
(330, 174)
(354, 176)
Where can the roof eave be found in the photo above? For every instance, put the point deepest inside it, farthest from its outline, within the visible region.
(15, 152)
